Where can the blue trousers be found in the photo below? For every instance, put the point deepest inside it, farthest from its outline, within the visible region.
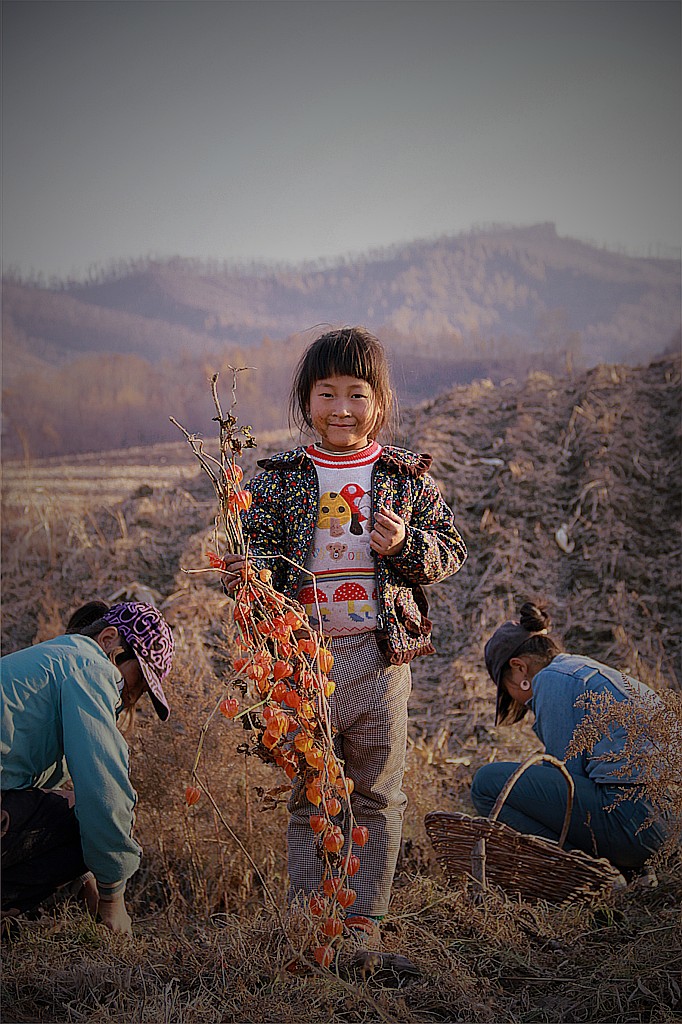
(537, 806)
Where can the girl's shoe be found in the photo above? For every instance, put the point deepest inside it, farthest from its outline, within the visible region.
(361, 933)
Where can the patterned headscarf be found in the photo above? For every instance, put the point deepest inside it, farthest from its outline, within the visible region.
(149, 635)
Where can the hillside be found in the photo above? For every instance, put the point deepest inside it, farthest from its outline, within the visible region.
(522, 285)
(94, 365)
(597, 454)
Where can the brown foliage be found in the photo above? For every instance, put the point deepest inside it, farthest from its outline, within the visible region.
(208, 945)
(652, 751)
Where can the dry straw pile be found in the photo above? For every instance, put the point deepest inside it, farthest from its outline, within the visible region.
(564, 488)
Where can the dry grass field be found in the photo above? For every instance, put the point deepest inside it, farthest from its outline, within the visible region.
(598, 455)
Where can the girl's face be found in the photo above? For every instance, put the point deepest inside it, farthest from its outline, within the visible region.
(344, 412)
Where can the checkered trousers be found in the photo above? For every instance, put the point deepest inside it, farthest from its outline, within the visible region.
(369, 710)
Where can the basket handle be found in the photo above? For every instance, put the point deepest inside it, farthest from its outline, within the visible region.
(513, 779)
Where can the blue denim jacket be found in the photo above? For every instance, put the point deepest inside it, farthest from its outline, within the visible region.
(555, 691)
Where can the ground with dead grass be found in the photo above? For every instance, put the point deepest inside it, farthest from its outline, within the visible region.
(564, 488)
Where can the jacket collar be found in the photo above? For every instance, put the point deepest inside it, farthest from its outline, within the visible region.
(399, 459)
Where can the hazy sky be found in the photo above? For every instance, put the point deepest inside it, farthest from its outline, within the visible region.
(293, 130)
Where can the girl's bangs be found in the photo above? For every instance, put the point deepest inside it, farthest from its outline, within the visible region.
(343, 359)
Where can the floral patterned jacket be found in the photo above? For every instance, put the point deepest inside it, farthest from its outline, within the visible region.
(282, 518)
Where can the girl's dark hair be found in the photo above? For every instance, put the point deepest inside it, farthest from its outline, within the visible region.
(543, 648)
(348, 352)
(87, 620)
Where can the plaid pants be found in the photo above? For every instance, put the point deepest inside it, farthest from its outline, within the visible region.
(369, 710)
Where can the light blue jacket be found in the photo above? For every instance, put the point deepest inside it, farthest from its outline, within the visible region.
(556, 689)
(59, 702)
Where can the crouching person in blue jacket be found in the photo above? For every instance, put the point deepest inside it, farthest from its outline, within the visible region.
(612, 817)
(60, 703)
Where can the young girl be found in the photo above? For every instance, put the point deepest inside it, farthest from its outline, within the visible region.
(370, 527)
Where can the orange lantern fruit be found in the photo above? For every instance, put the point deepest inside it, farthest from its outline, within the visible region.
(331, 886)
(346, 897)
(292, 699)
(229, 707)
(333, 806)
(325, 659)
(317, 905)
(312, 791)
(351, 864)
(278, 691)
(324, 955)
(315, 758)
(333, 841)
(303, 742)
(344, 786)
(215, 561)
(360, 835)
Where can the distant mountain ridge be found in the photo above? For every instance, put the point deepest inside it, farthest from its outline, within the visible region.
(103, 364)
(521, 287)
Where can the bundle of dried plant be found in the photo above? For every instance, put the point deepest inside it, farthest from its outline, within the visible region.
(652, 753)
(283, 674)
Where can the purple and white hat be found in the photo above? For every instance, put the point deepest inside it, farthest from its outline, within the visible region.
(145, 629)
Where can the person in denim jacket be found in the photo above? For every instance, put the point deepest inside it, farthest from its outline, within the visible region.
(362, 529)
(610, 818)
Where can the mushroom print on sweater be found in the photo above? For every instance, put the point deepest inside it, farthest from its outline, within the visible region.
(282, 521)
(343, 601)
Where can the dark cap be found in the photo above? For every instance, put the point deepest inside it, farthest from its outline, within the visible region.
(505, 642)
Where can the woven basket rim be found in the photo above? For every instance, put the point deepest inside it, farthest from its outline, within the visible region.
(533, 866)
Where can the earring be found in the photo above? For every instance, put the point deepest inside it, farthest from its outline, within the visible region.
(524, 684)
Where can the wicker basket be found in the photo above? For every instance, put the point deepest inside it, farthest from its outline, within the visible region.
(491, 852)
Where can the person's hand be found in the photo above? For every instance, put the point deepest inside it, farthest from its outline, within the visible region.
(234, 564)
(65, 794)
(388, 535)
(90, 893)
(114, 915)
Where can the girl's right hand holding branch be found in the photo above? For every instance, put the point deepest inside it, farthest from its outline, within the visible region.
(234, 564)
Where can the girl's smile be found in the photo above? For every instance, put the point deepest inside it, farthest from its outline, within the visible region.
(344, 412)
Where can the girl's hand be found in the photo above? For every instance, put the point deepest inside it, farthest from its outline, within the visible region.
(388, 535)
(233, 572)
